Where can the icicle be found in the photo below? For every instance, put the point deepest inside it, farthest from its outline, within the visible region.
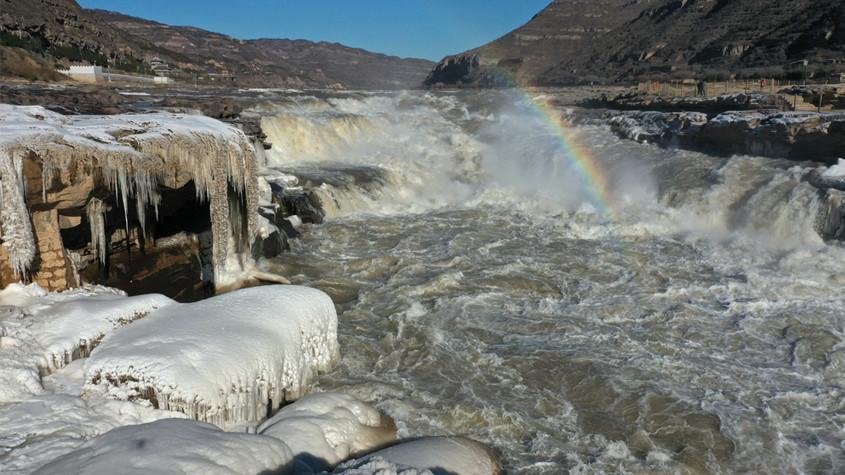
(143, 152)
(46, 179)
(96, 211)
(15, 227)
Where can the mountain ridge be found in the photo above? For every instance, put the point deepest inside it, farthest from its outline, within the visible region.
(617, 41)
(67, 33)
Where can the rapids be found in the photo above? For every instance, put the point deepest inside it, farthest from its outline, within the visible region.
(694, 327)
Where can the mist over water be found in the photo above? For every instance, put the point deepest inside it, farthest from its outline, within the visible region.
(482, 291)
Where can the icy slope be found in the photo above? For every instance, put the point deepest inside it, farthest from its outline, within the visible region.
(41, 332)
(327, 428)
(225, 360)
(133, 154)
(173, 446)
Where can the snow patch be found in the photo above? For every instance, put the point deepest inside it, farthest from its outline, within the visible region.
(227, 360)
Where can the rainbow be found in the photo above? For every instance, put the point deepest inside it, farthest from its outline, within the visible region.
(576, 152)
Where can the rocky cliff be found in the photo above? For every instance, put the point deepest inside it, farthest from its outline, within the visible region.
(574, 41)
(66, 32)
(564, 29)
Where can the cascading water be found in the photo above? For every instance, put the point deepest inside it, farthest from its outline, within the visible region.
(694, 326)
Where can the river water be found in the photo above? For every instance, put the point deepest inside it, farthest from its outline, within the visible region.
(687, 320)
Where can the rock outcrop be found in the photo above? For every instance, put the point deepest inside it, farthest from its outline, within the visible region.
(566, 28)
(708, 104)
(809, 136)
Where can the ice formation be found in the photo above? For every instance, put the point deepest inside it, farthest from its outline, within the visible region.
(327, 428)
(96, 211)
(133, 154)
(41, 332)
(174, 446)
(15, 228)
(440, 455)
(228, 360)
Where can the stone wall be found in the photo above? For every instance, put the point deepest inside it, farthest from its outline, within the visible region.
(53, 269)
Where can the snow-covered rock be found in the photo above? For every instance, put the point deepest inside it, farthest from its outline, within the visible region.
(41, 332)
(440, 455)
(836, 171)
(227, 360)
(173, 446)
(323, 429)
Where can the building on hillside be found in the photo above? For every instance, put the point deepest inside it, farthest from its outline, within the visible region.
(96, 74)
(86, 74)
(159, 67)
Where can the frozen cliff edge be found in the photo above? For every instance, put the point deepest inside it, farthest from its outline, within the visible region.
(132, 155)
(229, 360)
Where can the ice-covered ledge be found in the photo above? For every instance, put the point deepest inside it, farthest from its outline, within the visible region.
(52, 165)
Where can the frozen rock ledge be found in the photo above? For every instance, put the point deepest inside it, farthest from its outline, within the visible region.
(229, 360)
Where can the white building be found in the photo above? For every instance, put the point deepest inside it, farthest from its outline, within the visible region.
(96, 74)
(87, 74)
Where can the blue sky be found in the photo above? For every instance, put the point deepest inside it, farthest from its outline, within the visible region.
(411, 28)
